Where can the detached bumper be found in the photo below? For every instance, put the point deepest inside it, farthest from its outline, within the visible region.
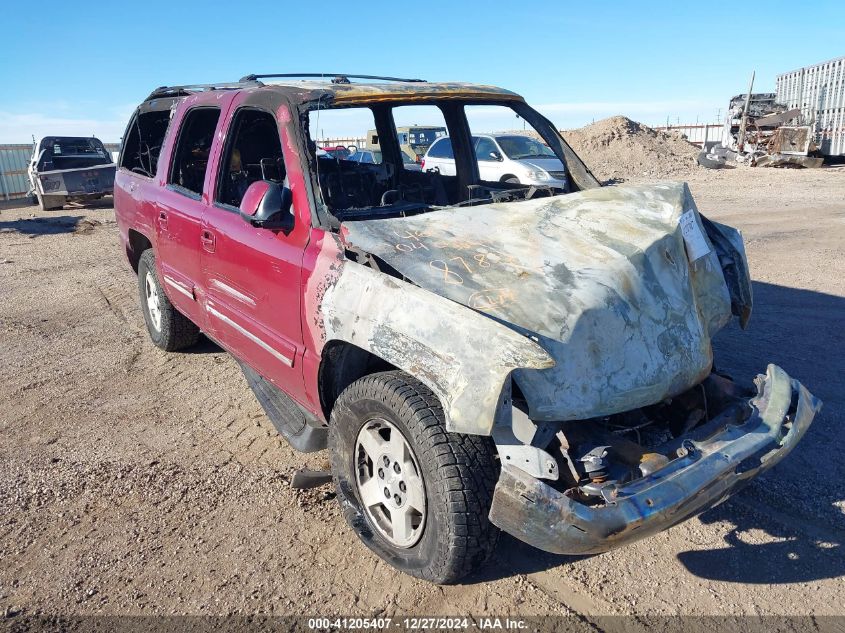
(711, 471)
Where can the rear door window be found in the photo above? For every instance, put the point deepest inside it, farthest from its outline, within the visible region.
(190, 159)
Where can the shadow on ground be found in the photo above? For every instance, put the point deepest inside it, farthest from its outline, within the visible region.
(791, 553)
(798, 504)
(204, 345)
(52, 225)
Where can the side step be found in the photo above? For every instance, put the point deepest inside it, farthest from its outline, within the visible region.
(302, 430)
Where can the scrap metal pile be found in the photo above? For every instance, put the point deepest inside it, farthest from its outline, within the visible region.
(763, 133)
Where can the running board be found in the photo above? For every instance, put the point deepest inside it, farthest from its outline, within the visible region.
(304, 479)
(302, 430)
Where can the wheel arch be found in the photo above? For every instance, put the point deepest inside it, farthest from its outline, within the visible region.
(507, 177)
(341, 364)
(136, 244)
(464, 357)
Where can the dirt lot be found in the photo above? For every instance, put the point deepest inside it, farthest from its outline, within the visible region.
(136, 481)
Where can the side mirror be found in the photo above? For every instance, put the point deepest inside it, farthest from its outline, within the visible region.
(496, 156)
(267, 205)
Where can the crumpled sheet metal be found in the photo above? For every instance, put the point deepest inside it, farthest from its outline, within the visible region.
(788, 160)
(601, 277)
(719, 465)
(462, 356)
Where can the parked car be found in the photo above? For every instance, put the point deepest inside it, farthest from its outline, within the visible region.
(339, 151)
(413, 140)
(475, 356)
(510, 158)
(373, 157)
(69, 169)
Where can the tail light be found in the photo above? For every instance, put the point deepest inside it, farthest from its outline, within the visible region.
(422, 163)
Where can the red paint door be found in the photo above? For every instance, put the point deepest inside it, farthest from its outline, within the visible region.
(179, 208)
(251, 276)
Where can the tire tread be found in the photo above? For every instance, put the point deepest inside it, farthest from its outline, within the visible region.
(467, 465)
(177, 330)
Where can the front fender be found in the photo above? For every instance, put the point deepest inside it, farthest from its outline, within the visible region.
(463, 356)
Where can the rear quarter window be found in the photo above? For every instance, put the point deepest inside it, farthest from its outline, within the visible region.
(143, 141)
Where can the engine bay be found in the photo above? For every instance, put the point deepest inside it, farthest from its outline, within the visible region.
(595, 456)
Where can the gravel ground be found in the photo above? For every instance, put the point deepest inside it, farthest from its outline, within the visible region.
(133, 481)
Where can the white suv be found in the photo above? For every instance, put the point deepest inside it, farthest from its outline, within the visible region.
(511, 158)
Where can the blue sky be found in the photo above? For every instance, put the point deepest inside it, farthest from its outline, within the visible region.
(81, 67)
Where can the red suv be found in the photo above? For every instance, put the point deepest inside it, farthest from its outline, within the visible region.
(475, 355)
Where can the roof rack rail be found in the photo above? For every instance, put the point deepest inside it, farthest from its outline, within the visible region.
(181, 91)
(337, 78)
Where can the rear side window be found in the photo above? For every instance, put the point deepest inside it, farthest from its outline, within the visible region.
(190, 159)
(143, 142)
(442, 149)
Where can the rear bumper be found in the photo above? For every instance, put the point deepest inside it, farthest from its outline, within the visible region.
(79, 184)
(711, 471)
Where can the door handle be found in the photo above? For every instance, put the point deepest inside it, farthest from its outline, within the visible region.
(208, 240)
(162, 219)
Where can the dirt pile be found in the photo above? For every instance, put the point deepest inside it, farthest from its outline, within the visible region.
(619, 149)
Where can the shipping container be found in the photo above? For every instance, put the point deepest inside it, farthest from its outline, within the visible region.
(819, 91)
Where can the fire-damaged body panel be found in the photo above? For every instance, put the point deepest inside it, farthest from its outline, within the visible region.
(603, 278)
(463, 356)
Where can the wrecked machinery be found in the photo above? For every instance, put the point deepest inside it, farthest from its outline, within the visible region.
(760, 132)
(474, 355)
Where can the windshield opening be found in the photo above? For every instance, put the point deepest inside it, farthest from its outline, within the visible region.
(404, 159)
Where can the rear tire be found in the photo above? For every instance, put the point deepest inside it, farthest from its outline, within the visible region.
(169, 329)
(452, 476)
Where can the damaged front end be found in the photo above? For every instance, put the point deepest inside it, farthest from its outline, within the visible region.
(615, 486)
(628, 429)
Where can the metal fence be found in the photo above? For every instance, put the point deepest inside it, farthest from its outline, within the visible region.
(345, 141)
(14, 159)
(13, 179)
(703, 134)
(819, 91)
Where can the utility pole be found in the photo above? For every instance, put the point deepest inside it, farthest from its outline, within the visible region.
(741, 140)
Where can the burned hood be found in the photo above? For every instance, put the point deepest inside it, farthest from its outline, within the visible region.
(621, 285)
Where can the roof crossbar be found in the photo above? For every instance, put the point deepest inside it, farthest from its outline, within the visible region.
(338, 78)
(179, 91)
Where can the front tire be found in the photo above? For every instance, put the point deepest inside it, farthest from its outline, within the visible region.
(415, 494)
(168, 328)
